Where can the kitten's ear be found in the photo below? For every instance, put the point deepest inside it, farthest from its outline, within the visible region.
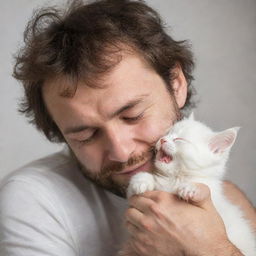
(223, 141)
(191, 116)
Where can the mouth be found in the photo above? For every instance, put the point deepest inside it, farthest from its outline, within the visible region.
(147, 166)
(162, 156)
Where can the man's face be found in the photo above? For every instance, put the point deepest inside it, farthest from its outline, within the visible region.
(112, 130)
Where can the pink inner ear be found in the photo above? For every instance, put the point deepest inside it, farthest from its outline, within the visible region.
(222, 141)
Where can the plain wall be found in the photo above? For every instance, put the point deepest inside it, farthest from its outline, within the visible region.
(223, 36)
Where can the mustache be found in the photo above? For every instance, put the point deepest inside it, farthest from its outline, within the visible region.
(115, 167)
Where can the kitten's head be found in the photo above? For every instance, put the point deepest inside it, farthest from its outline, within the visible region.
(190, 146)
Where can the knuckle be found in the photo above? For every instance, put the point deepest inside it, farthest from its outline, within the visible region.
(204, 190)
(144, 240)
(149, 194)
(156, 210)
(128, 225)
(133, 199)
(154, 207)
(146, 225)
(203, 187)
(151, 205)
(141, 249)
(129, 213)
(163, 196)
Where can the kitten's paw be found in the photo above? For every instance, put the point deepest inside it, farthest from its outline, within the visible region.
(140, 183)
(187, 191)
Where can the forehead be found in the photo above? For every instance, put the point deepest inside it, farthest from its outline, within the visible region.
(131, 67)
(128, 79)
(115, 63)
(191, 129)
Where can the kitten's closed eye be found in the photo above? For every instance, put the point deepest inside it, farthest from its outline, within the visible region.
(180, 139)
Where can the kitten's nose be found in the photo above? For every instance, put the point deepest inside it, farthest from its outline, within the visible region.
(162, 141)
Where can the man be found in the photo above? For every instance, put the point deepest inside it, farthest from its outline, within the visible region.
(108, 81)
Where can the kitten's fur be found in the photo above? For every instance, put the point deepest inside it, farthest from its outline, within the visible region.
(198, 155)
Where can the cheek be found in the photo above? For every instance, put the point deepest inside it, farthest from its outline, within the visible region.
(158, 125)
(151, 131)
(89, 158)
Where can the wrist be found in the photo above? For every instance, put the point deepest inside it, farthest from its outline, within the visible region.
(228, 249)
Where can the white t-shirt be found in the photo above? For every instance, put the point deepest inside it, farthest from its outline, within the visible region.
(49, 208)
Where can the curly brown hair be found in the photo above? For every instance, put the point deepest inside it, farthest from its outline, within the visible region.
(82, 41)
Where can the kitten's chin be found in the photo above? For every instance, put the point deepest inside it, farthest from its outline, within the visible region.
(165, 167)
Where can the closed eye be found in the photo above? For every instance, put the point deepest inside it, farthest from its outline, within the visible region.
(180, 139)
(133, 119)
(89, 139)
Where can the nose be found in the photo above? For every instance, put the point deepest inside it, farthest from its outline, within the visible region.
(119, 144)
(162, 141)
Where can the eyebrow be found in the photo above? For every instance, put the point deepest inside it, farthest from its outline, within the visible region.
(130, 104)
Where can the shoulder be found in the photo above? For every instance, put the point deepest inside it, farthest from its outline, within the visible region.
(41, 200)
(34, 183)
(31, 212)
(238, 197)
(53, 184)
(42, 171)
(42, 186)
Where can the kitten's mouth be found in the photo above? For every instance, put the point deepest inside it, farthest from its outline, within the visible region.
(163, 157)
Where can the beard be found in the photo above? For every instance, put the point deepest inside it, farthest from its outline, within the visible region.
(104, 178)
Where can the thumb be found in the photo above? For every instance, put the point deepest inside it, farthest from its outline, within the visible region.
(202, 197)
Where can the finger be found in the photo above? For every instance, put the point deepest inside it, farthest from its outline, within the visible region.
(158, 196)
(202, 198)
(140, 220)
(141, 203)
(132, 229)
(138, 247)
(135, 217)
(127, 249)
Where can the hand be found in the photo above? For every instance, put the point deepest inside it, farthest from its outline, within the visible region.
(161, 224)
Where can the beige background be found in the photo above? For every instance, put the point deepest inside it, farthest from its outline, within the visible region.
(223, 36)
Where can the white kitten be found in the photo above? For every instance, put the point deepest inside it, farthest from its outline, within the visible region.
(192, 153)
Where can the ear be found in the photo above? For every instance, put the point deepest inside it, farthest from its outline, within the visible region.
(191, 116)
(179, 85)
(223, 141)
